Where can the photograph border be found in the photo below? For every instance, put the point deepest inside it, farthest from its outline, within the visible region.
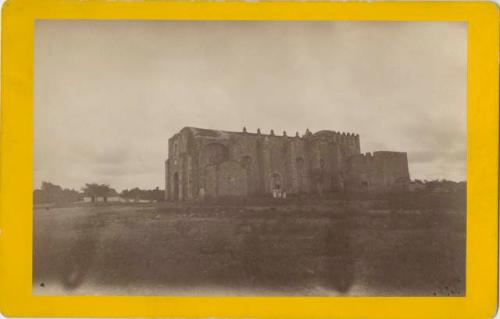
(16, 162)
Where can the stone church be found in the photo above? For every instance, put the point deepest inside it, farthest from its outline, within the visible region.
(211, 163)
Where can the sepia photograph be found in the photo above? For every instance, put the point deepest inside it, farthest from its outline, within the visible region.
(249, 158)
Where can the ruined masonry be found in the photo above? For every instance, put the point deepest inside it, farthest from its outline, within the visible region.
(211, 163)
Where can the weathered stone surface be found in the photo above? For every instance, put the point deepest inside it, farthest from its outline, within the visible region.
(210, 163)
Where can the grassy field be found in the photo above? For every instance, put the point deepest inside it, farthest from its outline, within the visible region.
(302, 247)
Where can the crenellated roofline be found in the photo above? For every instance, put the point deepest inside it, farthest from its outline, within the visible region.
(202, 132)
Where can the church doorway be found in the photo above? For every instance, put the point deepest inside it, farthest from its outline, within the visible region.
(176, 186)
(276, 185)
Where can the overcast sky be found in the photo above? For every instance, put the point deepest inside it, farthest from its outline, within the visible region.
(109, 94)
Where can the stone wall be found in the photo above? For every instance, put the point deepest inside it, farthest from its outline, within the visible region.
(231, 179)
(380, 171)
(218, 163)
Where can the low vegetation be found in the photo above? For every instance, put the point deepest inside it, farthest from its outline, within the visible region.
(53, 194)
(380, 245)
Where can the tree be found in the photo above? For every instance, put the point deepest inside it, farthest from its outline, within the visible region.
(50, 193)
(94, 190)
(157, 194)
(91, 190)
(444, 185)
(137, 194)
(133, 194)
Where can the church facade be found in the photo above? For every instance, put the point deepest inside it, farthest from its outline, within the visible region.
(211, 163)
